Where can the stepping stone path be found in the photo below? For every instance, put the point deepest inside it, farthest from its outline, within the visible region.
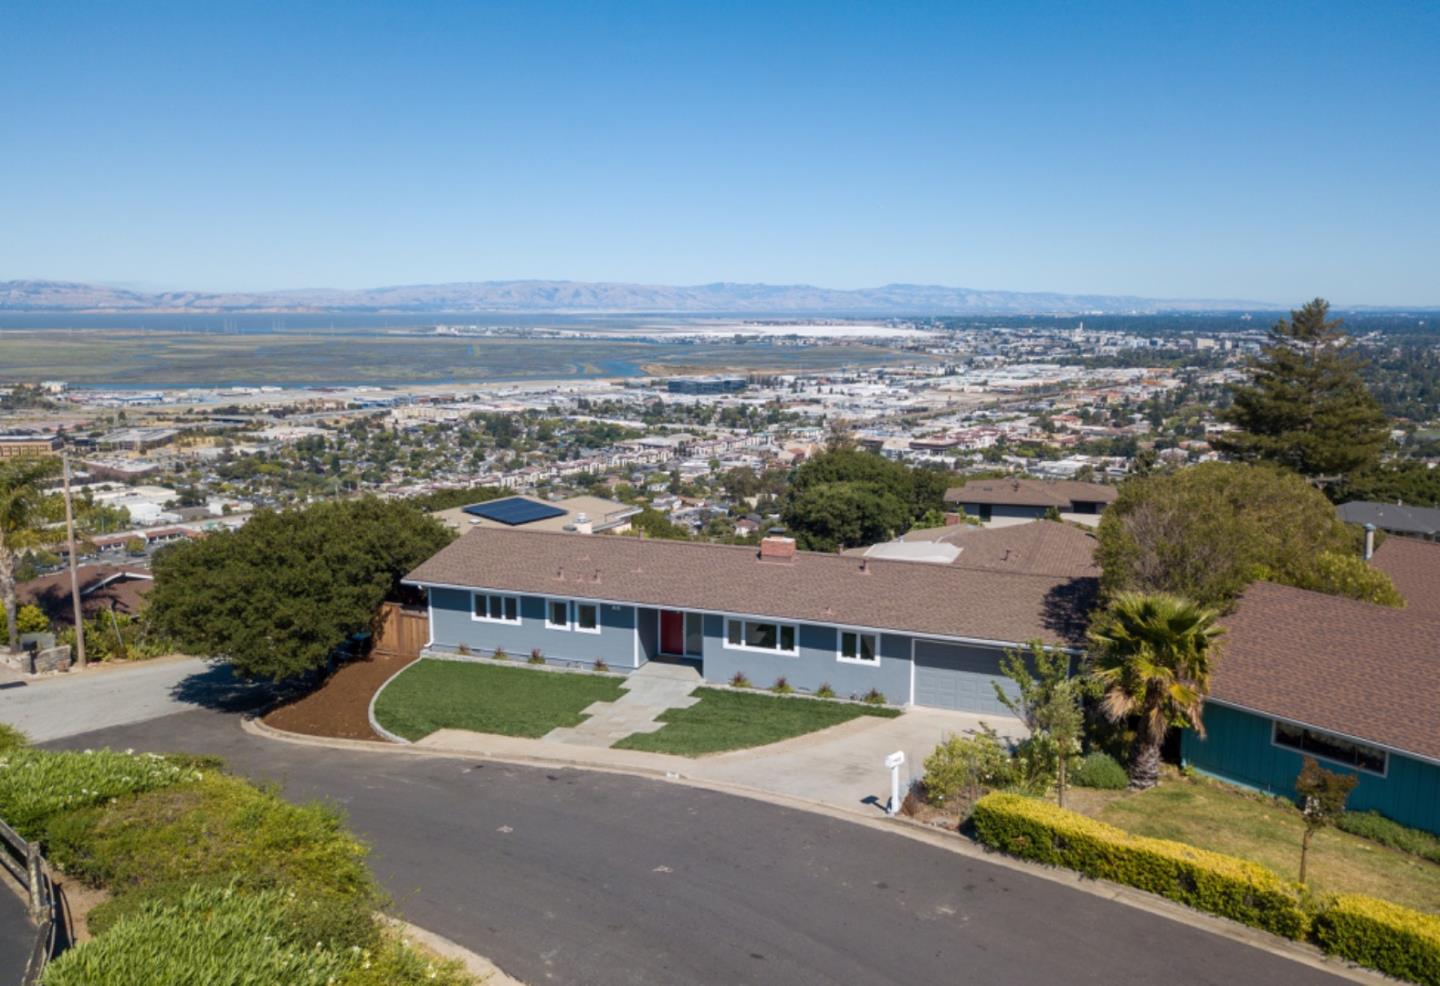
(649, 691)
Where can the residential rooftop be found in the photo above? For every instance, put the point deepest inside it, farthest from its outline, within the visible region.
(1358, 669)
(902, 596)
(1057, 493)
(1040, 547)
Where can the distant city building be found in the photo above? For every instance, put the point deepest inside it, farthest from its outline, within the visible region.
(137, 439)
(24, 443)
(706, 385)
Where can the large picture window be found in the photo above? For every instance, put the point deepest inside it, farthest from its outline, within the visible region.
(859, 648)
(1327, 746)
(497, 609)
(760, 635)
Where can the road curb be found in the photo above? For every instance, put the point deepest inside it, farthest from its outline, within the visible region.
(477, 965)
(954, 842)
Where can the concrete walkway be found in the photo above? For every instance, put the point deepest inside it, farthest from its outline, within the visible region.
(653, 689)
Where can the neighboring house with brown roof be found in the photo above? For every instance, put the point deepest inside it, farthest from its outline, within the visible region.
(919, 634)
(1013, 500)
(1355, 685)
(102, 587)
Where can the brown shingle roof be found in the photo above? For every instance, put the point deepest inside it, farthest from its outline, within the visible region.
(1041, 547)
(1414, 567)
(813, 587)
(1350, 667)
(1057, 493)
(124, 591)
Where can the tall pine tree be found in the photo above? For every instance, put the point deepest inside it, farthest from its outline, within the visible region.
(1305, 406)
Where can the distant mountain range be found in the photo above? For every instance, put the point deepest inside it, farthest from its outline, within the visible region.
(574, 297)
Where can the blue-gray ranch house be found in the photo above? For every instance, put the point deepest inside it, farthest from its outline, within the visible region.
(918, 633)
(1352, 684)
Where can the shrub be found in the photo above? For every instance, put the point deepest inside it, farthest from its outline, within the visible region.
(36, 784)
(825, 691)
(600, 665)
(28, 618)
(782, 687)
(1100, 770)
(217, 936)
(463, 650)
(962, 765)
(1385, 936)
(11, 738)
(499, 654)
(536, 657)
(221, 831)
(738, 680)
(1233, 888)
(1377, 828)
(114, 636)
(873, 697)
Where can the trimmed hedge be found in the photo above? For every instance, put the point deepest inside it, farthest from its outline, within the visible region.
(1234, 888)
(1376, 933)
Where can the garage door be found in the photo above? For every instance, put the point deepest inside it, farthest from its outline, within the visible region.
(954, 676)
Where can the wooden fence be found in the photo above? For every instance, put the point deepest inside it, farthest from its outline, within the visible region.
(401, 631)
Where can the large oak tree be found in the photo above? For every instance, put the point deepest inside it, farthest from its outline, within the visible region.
(279, 595)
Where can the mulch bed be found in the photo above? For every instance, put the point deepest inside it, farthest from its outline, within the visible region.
(340, 707)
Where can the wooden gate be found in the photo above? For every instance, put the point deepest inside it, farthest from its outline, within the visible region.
(401, 631)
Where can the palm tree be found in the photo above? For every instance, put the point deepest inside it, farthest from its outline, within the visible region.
(24, 509)
(1151, 658)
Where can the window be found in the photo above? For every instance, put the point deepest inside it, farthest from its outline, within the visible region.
(497, 609)
(861, 648)
(694, 634)
(557, 614)
(587, 617)
(758, 635)
(1330, 747)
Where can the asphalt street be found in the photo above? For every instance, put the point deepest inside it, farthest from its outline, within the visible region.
(17, 936)
(573, 877)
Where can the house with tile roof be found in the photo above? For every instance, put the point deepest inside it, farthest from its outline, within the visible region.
(918, 633)
(1352, 684)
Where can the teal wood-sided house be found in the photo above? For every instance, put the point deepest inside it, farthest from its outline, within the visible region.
(1354, 685)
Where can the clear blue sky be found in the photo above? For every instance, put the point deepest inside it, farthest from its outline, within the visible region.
(1267, 150)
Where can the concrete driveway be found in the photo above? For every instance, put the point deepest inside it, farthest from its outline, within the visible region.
(844, 765)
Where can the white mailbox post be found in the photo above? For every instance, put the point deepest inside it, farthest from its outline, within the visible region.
(894, 761)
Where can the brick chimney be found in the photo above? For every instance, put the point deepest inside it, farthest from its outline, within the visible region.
(777, 549)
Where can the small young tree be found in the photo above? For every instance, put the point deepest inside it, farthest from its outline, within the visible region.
(1048, 702)
(1322, 800)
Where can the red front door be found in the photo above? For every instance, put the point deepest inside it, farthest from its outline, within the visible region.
(672, 632)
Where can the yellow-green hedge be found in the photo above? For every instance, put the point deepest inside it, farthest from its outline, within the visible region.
(1385, 936)
(1234, 888)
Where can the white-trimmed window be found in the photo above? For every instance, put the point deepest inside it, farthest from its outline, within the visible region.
(1327, 746)
(761, 635)
(557, 614)
(494, 608)
(587, 617)
(859, 648)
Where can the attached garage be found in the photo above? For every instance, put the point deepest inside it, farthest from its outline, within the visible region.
(959, 677)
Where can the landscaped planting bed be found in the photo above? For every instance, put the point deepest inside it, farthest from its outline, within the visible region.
(487, 698)
(209, 879)
(732, 720)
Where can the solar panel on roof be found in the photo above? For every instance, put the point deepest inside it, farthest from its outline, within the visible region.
(514, 511)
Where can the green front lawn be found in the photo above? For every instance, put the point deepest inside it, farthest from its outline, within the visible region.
(728, 720)
(1268, 831)
(484, 698)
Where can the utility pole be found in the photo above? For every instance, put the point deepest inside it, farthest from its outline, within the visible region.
(74, 578)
